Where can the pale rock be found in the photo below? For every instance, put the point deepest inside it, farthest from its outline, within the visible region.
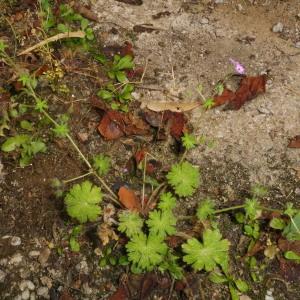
(277, 27)
(15, 241)
(16, 259)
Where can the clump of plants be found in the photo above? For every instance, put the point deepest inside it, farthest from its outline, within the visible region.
(118, 93)
(154, 219)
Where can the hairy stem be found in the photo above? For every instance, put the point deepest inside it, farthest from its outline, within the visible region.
(78, 177)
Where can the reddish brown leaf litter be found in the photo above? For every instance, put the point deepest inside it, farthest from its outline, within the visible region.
(129, 199)
(294, 142)
(119, 294)
(249, 88)
(152, 165)
(285, 245)
(123, 50)
(176, 122)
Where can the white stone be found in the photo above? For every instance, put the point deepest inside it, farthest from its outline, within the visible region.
(16, 259)
(15, 241)
(277, 27)
(43, 291)
(34, 253)
(26, 284)
(25, 295)
(297, 45)
(204, 21)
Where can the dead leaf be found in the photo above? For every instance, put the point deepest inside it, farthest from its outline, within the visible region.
(158, 106)
(119, 294)
(111, 50)
(174, 121)
(285, 245)
(177, 127)
(129, 199)
(249, 88)
(106, 233)
(225, 97)
(294, 142)
(109, 129)
(257, 247)
(115, 124)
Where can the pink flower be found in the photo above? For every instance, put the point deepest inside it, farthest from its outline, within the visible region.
(237, 66)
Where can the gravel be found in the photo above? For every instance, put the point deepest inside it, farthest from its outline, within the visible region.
(15, 241)
(43, 292)
(277, 27)
(16, 259)
(2, 276)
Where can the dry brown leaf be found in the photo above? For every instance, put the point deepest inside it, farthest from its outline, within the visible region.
(158, 106)
(129, 199)
(106, 233)
(249, 88)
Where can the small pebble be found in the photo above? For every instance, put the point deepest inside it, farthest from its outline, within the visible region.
(43, 291)
(82, 267)
(297, 45)
(15, 241)
(240, 7)
(2, 276)
(297, 191)
(34, 253)
(25, 295)
(3, 262)
(26, 284)
(44, 255)
(47, 281)
(277, 27)
(32, 296)
(16, 259)
(204, 21)
(219, 1)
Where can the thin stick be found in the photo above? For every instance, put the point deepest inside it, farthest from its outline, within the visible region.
(171, 289)
(75, 34)
(78, 177)
(144, 179)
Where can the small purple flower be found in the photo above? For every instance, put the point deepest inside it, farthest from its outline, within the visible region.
(237, 66)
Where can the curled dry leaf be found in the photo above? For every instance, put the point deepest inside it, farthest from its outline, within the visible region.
(159, 106)
(115, 124)
(249, 88)
(106, 233)
(129, 199)
(176, 122)
(294, 142)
